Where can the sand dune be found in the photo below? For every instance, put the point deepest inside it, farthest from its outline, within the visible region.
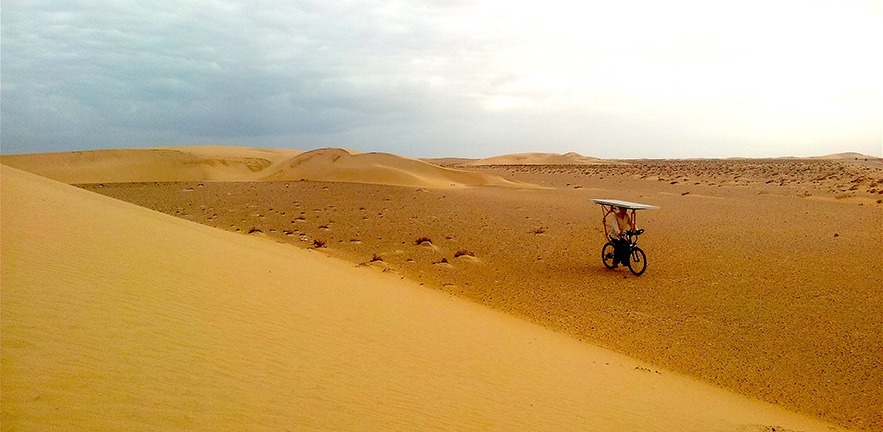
(149, 165)
(539, 159)
(789, 313)
(115, 317)
(848, 156)
(379, 168)
(221, 163)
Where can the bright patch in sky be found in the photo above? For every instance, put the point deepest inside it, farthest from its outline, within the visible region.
(425, 78)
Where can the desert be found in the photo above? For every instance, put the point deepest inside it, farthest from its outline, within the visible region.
(231, 287)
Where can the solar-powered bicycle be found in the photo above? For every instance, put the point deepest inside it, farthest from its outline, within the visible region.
(621, 246)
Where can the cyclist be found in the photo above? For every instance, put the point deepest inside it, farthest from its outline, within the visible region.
(617, 229)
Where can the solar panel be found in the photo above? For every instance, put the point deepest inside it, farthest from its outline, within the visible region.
(625, 204)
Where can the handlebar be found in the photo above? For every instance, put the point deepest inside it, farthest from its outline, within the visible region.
(631, 236)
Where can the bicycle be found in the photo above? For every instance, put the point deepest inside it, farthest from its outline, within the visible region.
(636, 259)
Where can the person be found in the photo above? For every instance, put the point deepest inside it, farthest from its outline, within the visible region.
(617, 230)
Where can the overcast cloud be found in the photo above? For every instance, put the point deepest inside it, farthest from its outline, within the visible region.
(446, 78)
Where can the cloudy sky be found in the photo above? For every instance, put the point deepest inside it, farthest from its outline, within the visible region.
(469, 78)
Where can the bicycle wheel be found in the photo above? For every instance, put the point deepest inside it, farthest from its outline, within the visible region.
(638, 261)
(607, 255)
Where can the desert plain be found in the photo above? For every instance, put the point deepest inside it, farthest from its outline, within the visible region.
(238, 288)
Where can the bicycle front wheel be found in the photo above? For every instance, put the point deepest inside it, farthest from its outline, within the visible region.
(638, 261)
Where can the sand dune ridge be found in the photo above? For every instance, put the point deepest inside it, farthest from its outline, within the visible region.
(379, 168)
(223, 163)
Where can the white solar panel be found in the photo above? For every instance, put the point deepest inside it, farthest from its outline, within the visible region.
(625, 204)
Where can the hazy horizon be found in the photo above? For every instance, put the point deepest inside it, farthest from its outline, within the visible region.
(472, 79)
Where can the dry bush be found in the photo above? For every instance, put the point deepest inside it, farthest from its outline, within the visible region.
(463, 252)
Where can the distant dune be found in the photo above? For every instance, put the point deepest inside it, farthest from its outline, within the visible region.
(150, 165)
(847, 156)
(379, 168)
(230, 163)
(539, 159)
(221, 163)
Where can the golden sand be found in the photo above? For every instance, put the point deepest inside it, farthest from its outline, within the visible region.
(770, 289)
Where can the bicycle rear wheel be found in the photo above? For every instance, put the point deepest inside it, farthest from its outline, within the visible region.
(638, 261)
(607, 255)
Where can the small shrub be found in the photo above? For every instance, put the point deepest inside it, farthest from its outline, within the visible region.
(422, 240)
(463, 252)
(318, 243)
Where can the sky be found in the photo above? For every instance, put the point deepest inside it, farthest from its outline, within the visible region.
(459, 78)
